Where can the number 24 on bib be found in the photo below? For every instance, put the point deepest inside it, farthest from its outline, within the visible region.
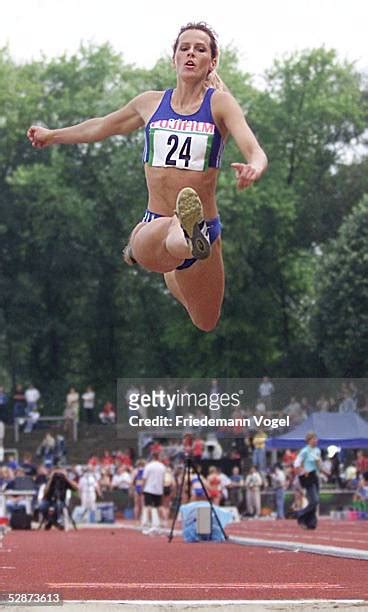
(180, 150)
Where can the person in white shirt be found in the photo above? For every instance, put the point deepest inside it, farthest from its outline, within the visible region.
(122, 480)
(88, 489)
(278, 479)
(265, 391)
(153, 488)
(32, 395)
(88, 399)
(253, 484)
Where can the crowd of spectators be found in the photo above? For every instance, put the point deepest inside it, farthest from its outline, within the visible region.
(234, 469)
(27, 406)
(228, 480)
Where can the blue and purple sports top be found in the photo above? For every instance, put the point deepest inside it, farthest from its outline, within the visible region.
(187, 142)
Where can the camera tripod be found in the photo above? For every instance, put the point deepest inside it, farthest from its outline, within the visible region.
(188, 467)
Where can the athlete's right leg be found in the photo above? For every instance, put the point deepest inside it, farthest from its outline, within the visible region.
(160, 245)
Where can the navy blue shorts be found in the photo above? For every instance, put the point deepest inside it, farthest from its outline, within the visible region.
(213, 226)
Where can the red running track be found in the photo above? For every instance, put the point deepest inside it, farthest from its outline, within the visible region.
(123, 564)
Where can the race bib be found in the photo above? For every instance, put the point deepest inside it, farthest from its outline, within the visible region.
(187, 149)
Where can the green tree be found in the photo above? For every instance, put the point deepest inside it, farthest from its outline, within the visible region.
(341, 311)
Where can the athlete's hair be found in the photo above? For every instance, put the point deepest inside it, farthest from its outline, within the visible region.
(213, 79)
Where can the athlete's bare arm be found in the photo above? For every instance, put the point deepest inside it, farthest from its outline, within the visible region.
(229, 114)
(121, 122)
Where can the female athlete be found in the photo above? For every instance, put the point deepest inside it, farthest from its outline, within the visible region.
(185, 132)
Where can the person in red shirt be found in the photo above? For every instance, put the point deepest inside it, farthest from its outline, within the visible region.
(107, 459)
(198, 448)
(361, 462)
(289, 457)
(214, 485)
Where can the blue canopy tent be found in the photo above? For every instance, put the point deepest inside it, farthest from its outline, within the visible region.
(347, 430)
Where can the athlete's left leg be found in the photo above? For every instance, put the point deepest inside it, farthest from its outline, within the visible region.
(200, 288)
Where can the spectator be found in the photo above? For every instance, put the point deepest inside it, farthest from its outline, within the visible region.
(348, 403)
(107, 459)
(60, 451)
(236, 488)
(265, 391)
(42, 475)
(21, 482)
(197, 490)
(169, 491)
(71, 412)
(351, 477)
(259, 450)
(153, 488)
(288, 457)
(108, 415)
(361, 494)
(32, 418)
(122, 480)
(306, 406)
(104, 481)
(333, 454)
(278, 480)
(46, 450)
(124, 458)
(213, 449)
(27, 465)
(88, 399)
(225, 484)
(260, 406)
(137, 480)
(2, 436)
(12, 462)
(3, 405)
(214, 485)
(361, 462)
(6, 476)
(88, 490)
(323, 405)
(294, 411)
(19, 402)
(253, 484)
(198, 448)
(32, 396)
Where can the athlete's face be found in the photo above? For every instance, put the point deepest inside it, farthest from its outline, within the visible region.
(193, 55)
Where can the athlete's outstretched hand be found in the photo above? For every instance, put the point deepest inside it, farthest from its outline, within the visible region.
(40, 137)
(245, 175)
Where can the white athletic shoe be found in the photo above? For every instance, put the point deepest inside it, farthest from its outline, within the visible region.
(189, 211)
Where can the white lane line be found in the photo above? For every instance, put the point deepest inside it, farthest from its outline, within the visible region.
(334, 551)
(147, 603)
(315, 536)
(195, 586)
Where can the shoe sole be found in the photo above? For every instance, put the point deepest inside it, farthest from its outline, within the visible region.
(189, 211)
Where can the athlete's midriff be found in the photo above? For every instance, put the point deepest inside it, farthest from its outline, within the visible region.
(164, 185)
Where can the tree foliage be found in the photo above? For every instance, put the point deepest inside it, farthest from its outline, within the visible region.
(341, 313)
